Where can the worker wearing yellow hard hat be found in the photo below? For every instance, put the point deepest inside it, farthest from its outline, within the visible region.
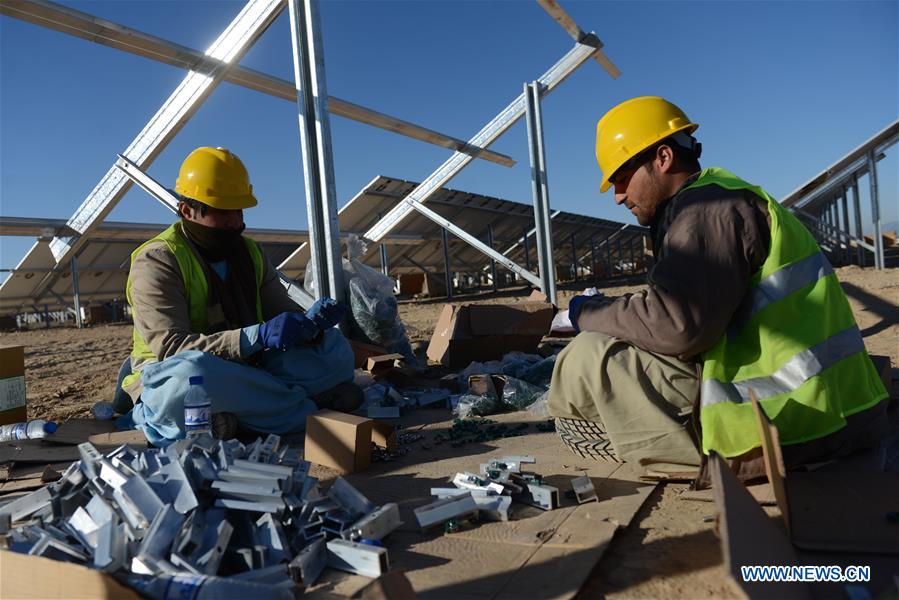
(208, 304)
(740, 302)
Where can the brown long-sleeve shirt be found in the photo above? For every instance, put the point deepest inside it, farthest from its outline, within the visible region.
(707, 243)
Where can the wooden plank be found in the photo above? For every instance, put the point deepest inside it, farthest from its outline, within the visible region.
(773, 458)
(77, 431)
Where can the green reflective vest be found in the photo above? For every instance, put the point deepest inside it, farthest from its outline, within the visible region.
(195, 285)
(793, 341)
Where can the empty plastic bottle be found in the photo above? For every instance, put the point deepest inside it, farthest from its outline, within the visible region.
(30, 430)
(197, 409)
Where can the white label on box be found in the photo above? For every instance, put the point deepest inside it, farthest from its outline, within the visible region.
(12, 392)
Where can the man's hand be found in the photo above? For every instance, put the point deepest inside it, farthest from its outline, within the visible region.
(286, 330)
(326, 313)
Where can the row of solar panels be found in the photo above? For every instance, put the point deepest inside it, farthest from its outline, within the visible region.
(104, 261)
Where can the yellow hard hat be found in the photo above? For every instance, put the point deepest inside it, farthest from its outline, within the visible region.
(633, 126)
(216, 177)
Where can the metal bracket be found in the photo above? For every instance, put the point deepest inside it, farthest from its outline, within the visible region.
(584, 490)
(361, 559)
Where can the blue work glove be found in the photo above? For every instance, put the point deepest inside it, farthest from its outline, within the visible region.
(326, 313)
(286, 330)
(574, 309)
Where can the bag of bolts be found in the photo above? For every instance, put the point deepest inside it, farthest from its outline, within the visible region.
(471, 405)
(519, 394)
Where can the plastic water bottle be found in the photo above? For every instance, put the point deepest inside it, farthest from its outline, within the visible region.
(30, 430)
(197, 409)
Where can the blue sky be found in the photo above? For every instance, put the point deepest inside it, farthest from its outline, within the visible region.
(780, 89)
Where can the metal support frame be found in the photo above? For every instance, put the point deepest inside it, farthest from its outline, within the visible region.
(844, 203)
(385, 259)
(78, 322)
(857, 206)
(875, 210)
(492, 262)
(101, 31)
(447, 274)
(574, 257)
(228, 49)
(315, 141)
(540, 192)
(527, 249)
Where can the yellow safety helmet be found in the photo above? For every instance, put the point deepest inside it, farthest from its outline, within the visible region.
(633, 126)
(215, 177)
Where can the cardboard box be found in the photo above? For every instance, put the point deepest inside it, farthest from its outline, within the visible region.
(426, 285)
(481, 332)
(383, 435)
(339, 440)
(383, 363)
(12, 385)
(24, 576)
(362, 351)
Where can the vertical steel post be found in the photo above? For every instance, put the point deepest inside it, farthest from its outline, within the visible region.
(315, 141)
(574, 258)
(527, 249)
(593, 256)
(875, 211)
(540, 191)
(844, 201)
(857, 203)
(608, 259)
(447, 275)
(78, 322)
(630, 248)
(618, 255)
(492, 262)
(385, 260)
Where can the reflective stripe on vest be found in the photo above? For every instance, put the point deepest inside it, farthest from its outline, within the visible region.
(789, 377)
(793, 341)
(778, 286)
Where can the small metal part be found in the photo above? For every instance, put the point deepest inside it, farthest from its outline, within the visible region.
(470, 481)
(309, 563)
(90, 457)
(84, 528)
(436, 513)
(452, 526)
(541, 496)
(110, 552)
(251, 506)
(349, 498)
(279, 471)
(377, 524)
(494, 508)
(272, 537)
(583, 489)
(50, 547)
(27, 505)
(361, 559)
(513, 463)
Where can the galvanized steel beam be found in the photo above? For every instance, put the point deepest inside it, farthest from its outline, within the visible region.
(91, 28)
(315, 141)
(540, 191)
(230, 46)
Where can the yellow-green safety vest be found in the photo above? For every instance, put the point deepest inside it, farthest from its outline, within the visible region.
(793, 341)
(195, 285)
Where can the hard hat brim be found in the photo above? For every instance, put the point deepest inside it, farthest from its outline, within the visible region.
(607, 184)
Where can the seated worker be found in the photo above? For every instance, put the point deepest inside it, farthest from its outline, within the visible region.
(206, 301)
(740, 298)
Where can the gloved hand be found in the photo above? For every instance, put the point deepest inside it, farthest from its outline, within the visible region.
(576, 303)
(286, 330)
(326, 313)
(574, 309)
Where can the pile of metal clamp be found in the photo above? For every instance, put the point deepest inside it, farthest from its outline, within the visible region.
(488, 495)
(233, 519)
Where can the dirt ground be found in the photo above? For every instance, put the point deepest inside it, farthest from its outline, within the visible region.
(668, 550)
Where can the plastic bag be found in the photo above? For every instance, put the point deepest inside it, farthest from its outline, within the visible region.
(540, 407)
(540, 373)
(519, 394)
(470, 405)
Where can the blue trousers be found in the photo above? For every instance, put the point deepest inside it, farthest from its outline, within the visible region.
(272, 398)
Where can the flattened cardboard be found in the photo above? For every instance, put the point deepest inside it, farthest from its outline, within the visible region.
(339, 440)
(13, 408)
(839, 507)
(383, 362)
(23, 576)
(749, 536)
(77, 431)
(481, 332)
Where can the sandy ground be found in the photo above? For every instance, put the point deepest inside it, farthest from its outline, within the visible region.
(667, 551)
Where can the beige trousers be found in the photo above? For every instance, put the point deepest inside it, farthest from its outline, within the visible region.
(643, 399)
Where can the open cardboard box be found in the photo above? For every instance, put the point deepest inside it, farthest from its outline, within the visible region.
(480, 332)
